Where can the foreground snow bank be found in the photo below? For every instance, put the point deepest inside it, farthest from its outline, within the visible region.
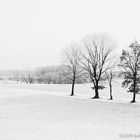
(44, 115)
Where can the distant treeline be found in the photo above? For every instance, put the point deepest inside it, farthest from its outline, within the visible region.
(41, 75)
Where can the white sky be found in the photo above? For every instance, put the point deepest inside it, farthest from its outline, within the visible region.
(33, 32)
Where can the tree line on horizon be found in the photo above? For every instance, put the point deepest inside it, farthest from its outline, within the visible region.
(41, 75)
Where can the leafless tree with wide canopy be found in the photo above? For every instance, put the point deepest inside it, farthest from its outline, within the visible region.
(97, 58)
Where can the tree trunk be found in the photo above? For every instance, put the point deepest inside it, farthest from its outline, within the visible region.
(111, 97)
(72, 90)
(96, 91)
(134, 97)
(134, 92)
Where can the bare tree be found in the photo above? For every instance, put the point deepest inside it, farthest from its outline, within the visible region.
(109, 76)
(97, 58)
(30, 78)
(130, 62)
(71, 68)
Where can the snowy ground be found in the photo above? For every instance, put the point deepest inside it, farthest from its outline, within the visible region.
(38, 112)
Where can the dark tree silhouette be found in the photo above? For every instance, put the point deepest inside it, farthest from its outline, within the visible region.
(97, 58)
(130, 62)
(71, 68)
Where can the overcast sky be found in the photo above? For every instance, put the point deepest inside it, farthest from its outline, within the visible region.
(33, 32)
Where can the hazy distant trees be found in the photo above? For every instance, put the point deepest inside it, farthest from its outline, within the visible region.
(30, 78)
(49, 75)
(17, 76)
(41, 75)
(97, 58)
(71, 67)
(130, 62)
(27, 77)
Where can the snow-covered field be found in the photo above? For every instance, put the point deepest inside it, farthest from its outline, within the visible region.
(46, 112)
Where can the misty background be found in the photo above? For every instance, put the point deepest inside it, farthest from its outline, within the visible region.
(34, 32)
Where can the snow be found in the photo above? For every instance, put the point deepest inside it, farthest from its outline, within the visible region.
(39, 112)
